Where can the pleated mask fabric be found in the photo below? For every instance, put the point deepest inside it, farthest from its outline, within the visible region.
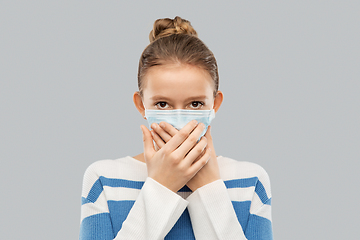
(180, 117)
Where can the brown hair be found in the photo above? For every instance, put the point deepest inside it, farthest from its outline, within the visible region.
(175, 40)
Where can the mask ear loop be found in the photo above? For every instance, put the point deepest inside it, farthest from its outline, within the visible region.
(154, 143)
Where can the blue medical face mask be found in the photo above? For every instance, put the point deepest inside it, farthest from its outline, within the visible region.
(180, 117)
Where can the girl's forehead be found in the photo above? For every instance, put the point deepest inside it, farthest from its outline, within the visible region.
(179, 77)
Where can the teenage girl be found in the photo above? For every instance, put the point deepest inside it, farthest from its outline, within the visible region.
(177, 188)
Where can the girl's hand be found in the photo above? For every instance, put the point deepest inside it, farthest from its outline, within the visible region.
(174, 164)
(210, 172)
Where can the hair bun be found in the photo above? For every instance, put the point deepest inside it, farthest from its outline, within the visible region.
(166, 26)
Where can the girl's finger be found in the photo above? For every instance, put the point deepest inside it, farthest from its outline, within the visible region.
(157, 139)
(191, 141)
(197, 165)
(209, 137)
(161, 132)
(168, 128)
(210, 141)
(149, 150)
(196, 152)
(181, 136)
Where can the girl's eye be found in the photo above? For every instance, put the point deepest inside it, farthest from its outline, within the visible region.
(161, 105)
(196, 104)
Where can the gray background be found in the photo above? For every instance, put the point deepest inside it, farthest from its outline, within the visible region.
(289, 71)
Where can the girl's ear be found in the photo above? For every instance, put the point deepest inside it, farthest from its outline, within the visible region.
(218, 100)
(139, 104)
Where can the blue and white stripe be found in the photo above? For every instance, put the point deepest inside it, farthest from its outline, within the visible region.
(247, 185)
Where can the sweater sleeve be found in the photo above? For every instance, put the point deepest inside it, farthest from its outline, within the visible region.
(212, 214)
(215, 216)
(152, 215)
(259, 225)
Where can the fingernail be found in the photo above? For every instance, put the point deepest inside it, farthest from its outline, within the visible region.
(162, 124)
(153, 126)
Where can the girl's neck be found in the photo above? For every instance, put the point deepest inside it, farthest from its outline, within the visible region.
(140, 157)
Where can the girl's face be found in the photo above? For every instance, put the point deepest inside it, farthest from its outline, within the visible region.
(177, 86)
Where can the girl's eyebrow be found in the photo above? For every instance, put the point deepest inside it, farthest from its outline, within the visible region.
(196, 97)
(159, 97)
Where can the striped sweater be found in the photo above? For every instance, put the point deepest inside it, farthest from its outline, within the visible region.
(119, 201)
